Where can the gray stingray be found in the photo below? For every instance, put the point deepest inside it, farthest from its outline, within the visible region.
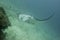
(31, 19)
(26, 17)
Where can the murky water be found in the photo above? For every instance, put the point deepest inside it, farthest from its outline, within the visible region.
(40, 30)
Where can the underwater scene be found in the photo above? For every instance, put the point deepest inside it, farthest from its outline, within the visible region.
(30, 19)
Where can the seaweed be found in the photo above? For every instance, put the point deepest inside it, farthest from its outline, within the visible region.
(4, 23)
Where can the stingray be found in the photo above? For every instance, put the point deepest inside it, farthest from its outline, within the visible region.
(26, 17)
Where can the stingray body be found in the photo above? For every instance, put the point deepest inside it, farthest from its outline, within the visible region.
(25, 17)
